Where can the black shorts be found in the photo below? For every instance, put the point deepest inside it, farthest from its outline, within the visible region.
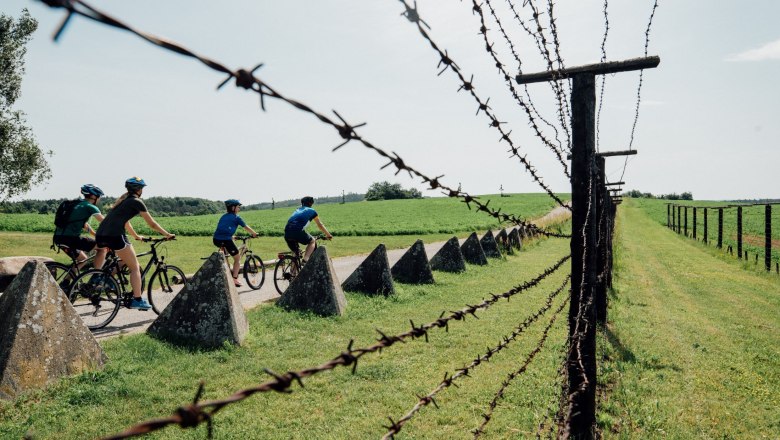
(113, 242)
(72, 245)
(293, 239)
(229, 245)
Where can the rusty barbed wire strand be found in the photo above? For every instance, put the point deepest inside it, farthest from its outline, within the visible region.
(488, 415)
(468, 86)
(639, 87)
(476, 7)
(530, 101)
(557, 49)
(603, 77)
(246, 80)
(541, 44)
(449, 380)
(192, 415)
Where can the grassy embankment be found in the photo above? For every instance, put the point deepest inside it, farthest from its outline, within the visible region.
(358, 227)
(692, 348)
(752, 226)
(147, 378)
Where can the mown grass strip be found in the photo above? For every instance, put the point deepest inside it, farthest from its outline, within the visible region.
(692, 346)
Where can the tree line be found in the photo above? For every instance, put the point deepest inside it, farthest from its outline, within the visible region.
(673, 196)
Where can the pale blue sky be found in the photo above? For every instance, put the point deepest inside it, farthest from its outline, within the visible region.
(111, 105)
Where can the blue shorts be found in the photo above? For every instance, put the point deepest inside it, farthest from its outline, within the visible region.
(297, 237)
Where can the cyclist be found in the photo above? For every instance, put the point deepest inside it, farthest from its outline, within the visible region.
(223, 236)
(69, 237)
(111, 234)
(295, 233)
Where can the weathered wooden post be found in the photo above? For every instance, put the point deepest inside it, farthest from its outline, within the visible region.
(580, 417)
(768, 237)
(679, 219)
(706, 236)
(602, 196)
(668, 222)
(694, 223)
(686, 221)
(720, 228)
(739, 232)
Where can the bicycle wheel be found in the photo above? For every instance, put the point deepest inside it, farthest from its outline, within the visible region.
(166, 282)
(63, 274)
(283, 274)
(254, 272)
(96, 298)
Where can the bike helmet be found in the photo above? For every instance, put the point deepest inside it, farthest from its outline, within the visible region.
(134, 183)
(232, 202)
(307, 201)
(91, 190)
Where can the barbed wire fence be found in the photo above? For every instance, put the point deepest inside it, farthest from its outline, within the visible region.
(593, 210)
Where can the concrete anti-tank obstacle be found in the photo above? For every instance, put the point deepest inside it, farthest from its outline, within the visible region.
(207, 312)
(316, 288)
(413, 267)
(514, 239)
(503, 240)
(42, 338)
(472, 251)
(489, 245)
(373, 276)
(449, 258)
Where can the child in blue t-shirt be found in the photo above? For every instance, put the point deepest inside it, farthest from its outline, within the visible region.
(223, 236)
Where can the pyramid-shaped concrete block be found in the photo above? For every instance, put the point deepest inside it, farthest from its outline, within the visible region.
(207, 312)
(42, 338)
(472, 250)
(373, 276)
(514, 239)
(413, 267)
(316, 288)
(489, 245)
(449, 258)
(503, 240)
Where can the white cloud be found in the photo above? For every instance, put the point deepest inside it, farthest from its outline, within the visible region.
(769, 51)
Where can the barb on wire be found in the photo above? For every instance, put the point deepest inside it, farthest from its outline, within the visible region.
(476, 7)
(488, 415)
(494, 122)
(449, 380)
(603, 77)
(192, 415)
(246, 79)
(639, 87)
(541, 44)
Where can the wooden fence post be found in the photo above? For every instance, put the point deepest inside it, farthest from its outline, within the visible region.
(739, 232)
(706, 237)
(768, 237)
(582, 322)
(694, 223)
(720, 228)
(686, 221)
(679, 218)
(602, 195)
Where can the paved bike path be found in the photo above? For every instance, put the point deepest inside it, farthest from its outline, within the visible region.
(130, 321)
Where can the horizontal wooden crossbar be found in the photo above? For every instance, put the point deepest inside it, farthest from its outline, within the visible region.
(595, 69)
(616, 153)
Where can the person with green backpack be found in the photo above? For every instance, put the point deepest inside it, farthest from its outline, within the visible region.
(72, 217)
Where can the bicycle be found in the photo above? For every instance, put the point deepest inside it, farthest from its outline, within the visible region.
(254, 268)
(65, 274)
(288, 266)
(98, 294)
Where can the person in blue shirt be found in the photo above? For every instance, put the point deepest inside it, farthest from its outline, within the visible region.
(223, 236)
(295, 233)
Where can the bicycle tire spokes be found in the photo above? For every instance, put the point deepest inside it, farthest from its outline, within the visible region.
(96, 297)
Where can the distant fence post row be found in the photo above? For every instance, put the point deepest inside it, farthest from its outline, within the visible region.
(674, 222)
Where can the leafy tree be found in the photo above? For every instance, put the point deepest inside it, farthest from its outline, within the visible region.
(22, 162)
(390, 191)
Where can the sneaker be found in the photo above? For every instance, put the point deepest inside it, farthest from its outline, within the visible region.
(140, 304)
(96, 279)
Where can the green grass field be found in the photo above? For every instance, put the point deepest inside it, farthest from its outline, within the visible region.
(752, 225)
(692, 348)
(148, 378)
(441, 215)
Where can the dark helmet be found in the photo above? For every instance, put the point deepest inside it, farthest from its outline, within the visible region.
(307, 201)
(91, 190)
(134, 183)
(231, 203)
